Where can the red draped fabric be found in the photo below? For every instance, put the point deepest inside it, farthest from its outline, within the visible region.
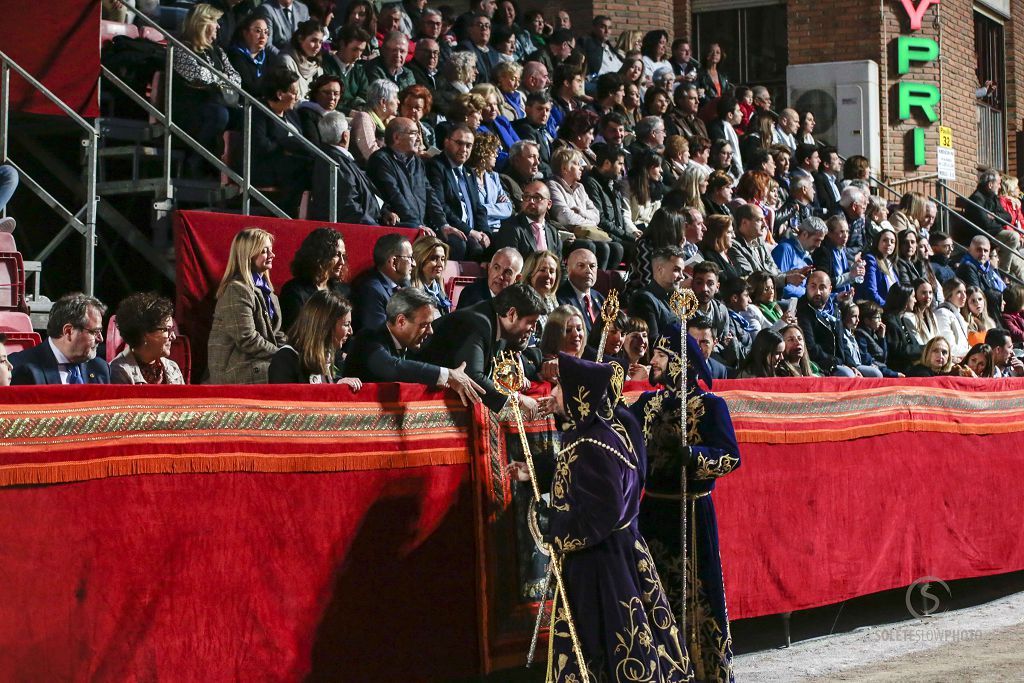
(58, 44)
(202, 243)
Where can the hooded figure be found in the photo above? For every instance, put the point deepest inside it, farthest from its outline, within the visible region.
(710, 451)
(623, 619)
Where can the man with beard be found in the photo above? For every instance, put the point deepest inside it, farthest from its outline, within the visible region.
(475, 335)
(382, 354)
(684, 472)
(68, 354)
(529, 230)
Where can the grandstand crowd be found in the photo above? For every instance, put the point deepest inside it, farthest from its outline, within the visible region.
(553, 156)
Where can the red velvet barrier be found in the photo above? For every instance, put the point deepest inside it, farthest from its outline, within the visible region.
(64, 56)
(202, 243)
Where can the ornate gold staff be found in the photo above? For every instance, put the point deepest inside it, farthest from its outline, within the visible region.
(684, 304)
(609, 312)
(508, 379)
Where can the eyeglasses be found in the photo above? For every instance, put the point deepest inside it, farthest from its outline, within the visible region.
(260, 31)
(534, 198)
(98, 332)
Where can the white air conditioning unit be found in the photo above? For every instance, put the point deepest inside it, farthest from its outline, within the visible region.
(844, 98)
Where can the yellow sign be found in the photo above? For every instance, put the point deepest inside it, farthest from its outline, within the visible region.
(945, 136)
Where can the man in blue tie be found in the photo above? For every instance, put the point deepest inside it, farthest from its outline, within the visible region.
(68, 356)
(463, 210)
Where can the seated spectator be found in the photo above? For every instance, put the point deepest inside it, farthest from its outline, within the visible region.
(635, 347)
(851, 353)
(871, 335)
(935, 360)
(909, 214)
(654, 51)
(750, 252)
(701, 331)
(757, 142)
(908, 264)
(368, 125)
(754, 187)
(249, 54)
(826, 181)
(566, 89)
(573, 208)
(796, 252)
(676, 159)
(349, 45)
(1009, 199)
(356, 198)
(782, 155)
(477, 43)
(649, 137)
(603, 183)
(1005, 362)
(798, 208)
(645, 190)
(523, 167)
(414, 103)
(246, 330)
(504, 269)
(382, 353)
(735, 293)
(667, 228)
(856, 167)
(199, 100)
(392, 268)
(302, 55)
(431, 256)
(1007, 254)
(682, 118)
(656, 99)
(320, 263)
(879, 270)
(766, 354)
(577, 290)
(795, 360)
(651, 303)
(978, 360)
(613, 340)
(804, 134)
(400, 177)
(279, 156)
(705, 283)
(460, 75)
(710, 79)
(976, 270)
(950, 321)
(472, 336)
(853, 204)
(975, 312)
(694, 184)
(718, 195)
(424, 65)
(282, 16)
(388, 66)
(723, 129)
(577, 132)
(324, 95)
(832, 257)
(942, 249)
(1012, 315)
(507, 76)
(876, 216)
(563, 333)
(321, 329)
(542, 271)
(534, 127)
(901, 341)
(822, 328)
(68, 354)
(489, 189)
(717, 243)
(762, 297)
(984, 209)
(492, 121)
(921, 320)
(459, 195)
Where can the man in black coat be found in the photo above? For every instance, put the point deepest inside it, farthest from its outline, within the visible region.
(504, 269)
(529, 230)
(400, 177)
(460, 198)
(357, 202)
(984, 209)
(534, 127)
(604, 187)
(578, 289)
(602, 57)
(478, 42)
(68, 354)
(382, 354)
(651, 304)
(826, 181)
(822, 328)
(392, 267)
(474, 336)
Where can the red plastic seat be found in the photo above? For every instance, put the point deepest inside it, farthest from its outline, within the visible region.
(15, 321)
(12, 282)
(7, 242)
(150, 33)
(470, 269)
(19, 341)
(115, 342)
(453, 288)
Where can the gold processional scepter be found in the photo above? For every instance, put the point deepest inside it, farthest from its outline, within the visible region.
(508, 378)
(684, 305)
(609, 312)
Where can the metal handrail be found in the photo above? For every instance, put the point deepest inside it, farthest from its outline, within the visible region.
(915, 179)
(249, 103)
(976, 204)
(88, 228)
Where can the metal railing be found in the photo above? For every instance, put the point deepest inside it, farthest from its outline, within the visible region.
(249, 104)
(72, 222)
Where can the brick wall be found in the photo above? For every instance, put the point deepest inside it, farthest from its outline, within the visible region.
(1014, 32)
(641, 16)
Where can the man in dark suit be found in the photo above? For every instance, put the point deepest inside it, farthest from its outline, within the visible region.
(534, 127)
(283, 17)
(505, 268)
(577, 291)
(478, 42)
(826, 181)
(832, 258)
(381, 354)
(651, 303)
(529, 231)
(393, 262)
(357, 202)
(401, 180)
(459, 196)
(475, 335)
(602, 57)
(700, 329)
(424, 64)
(68, 354)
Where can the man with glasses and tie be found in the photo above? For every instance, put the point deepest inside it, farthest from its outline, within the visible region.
(68, 355)
(284, 16)
(578, 290)
(459, 195)
(529, 230)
